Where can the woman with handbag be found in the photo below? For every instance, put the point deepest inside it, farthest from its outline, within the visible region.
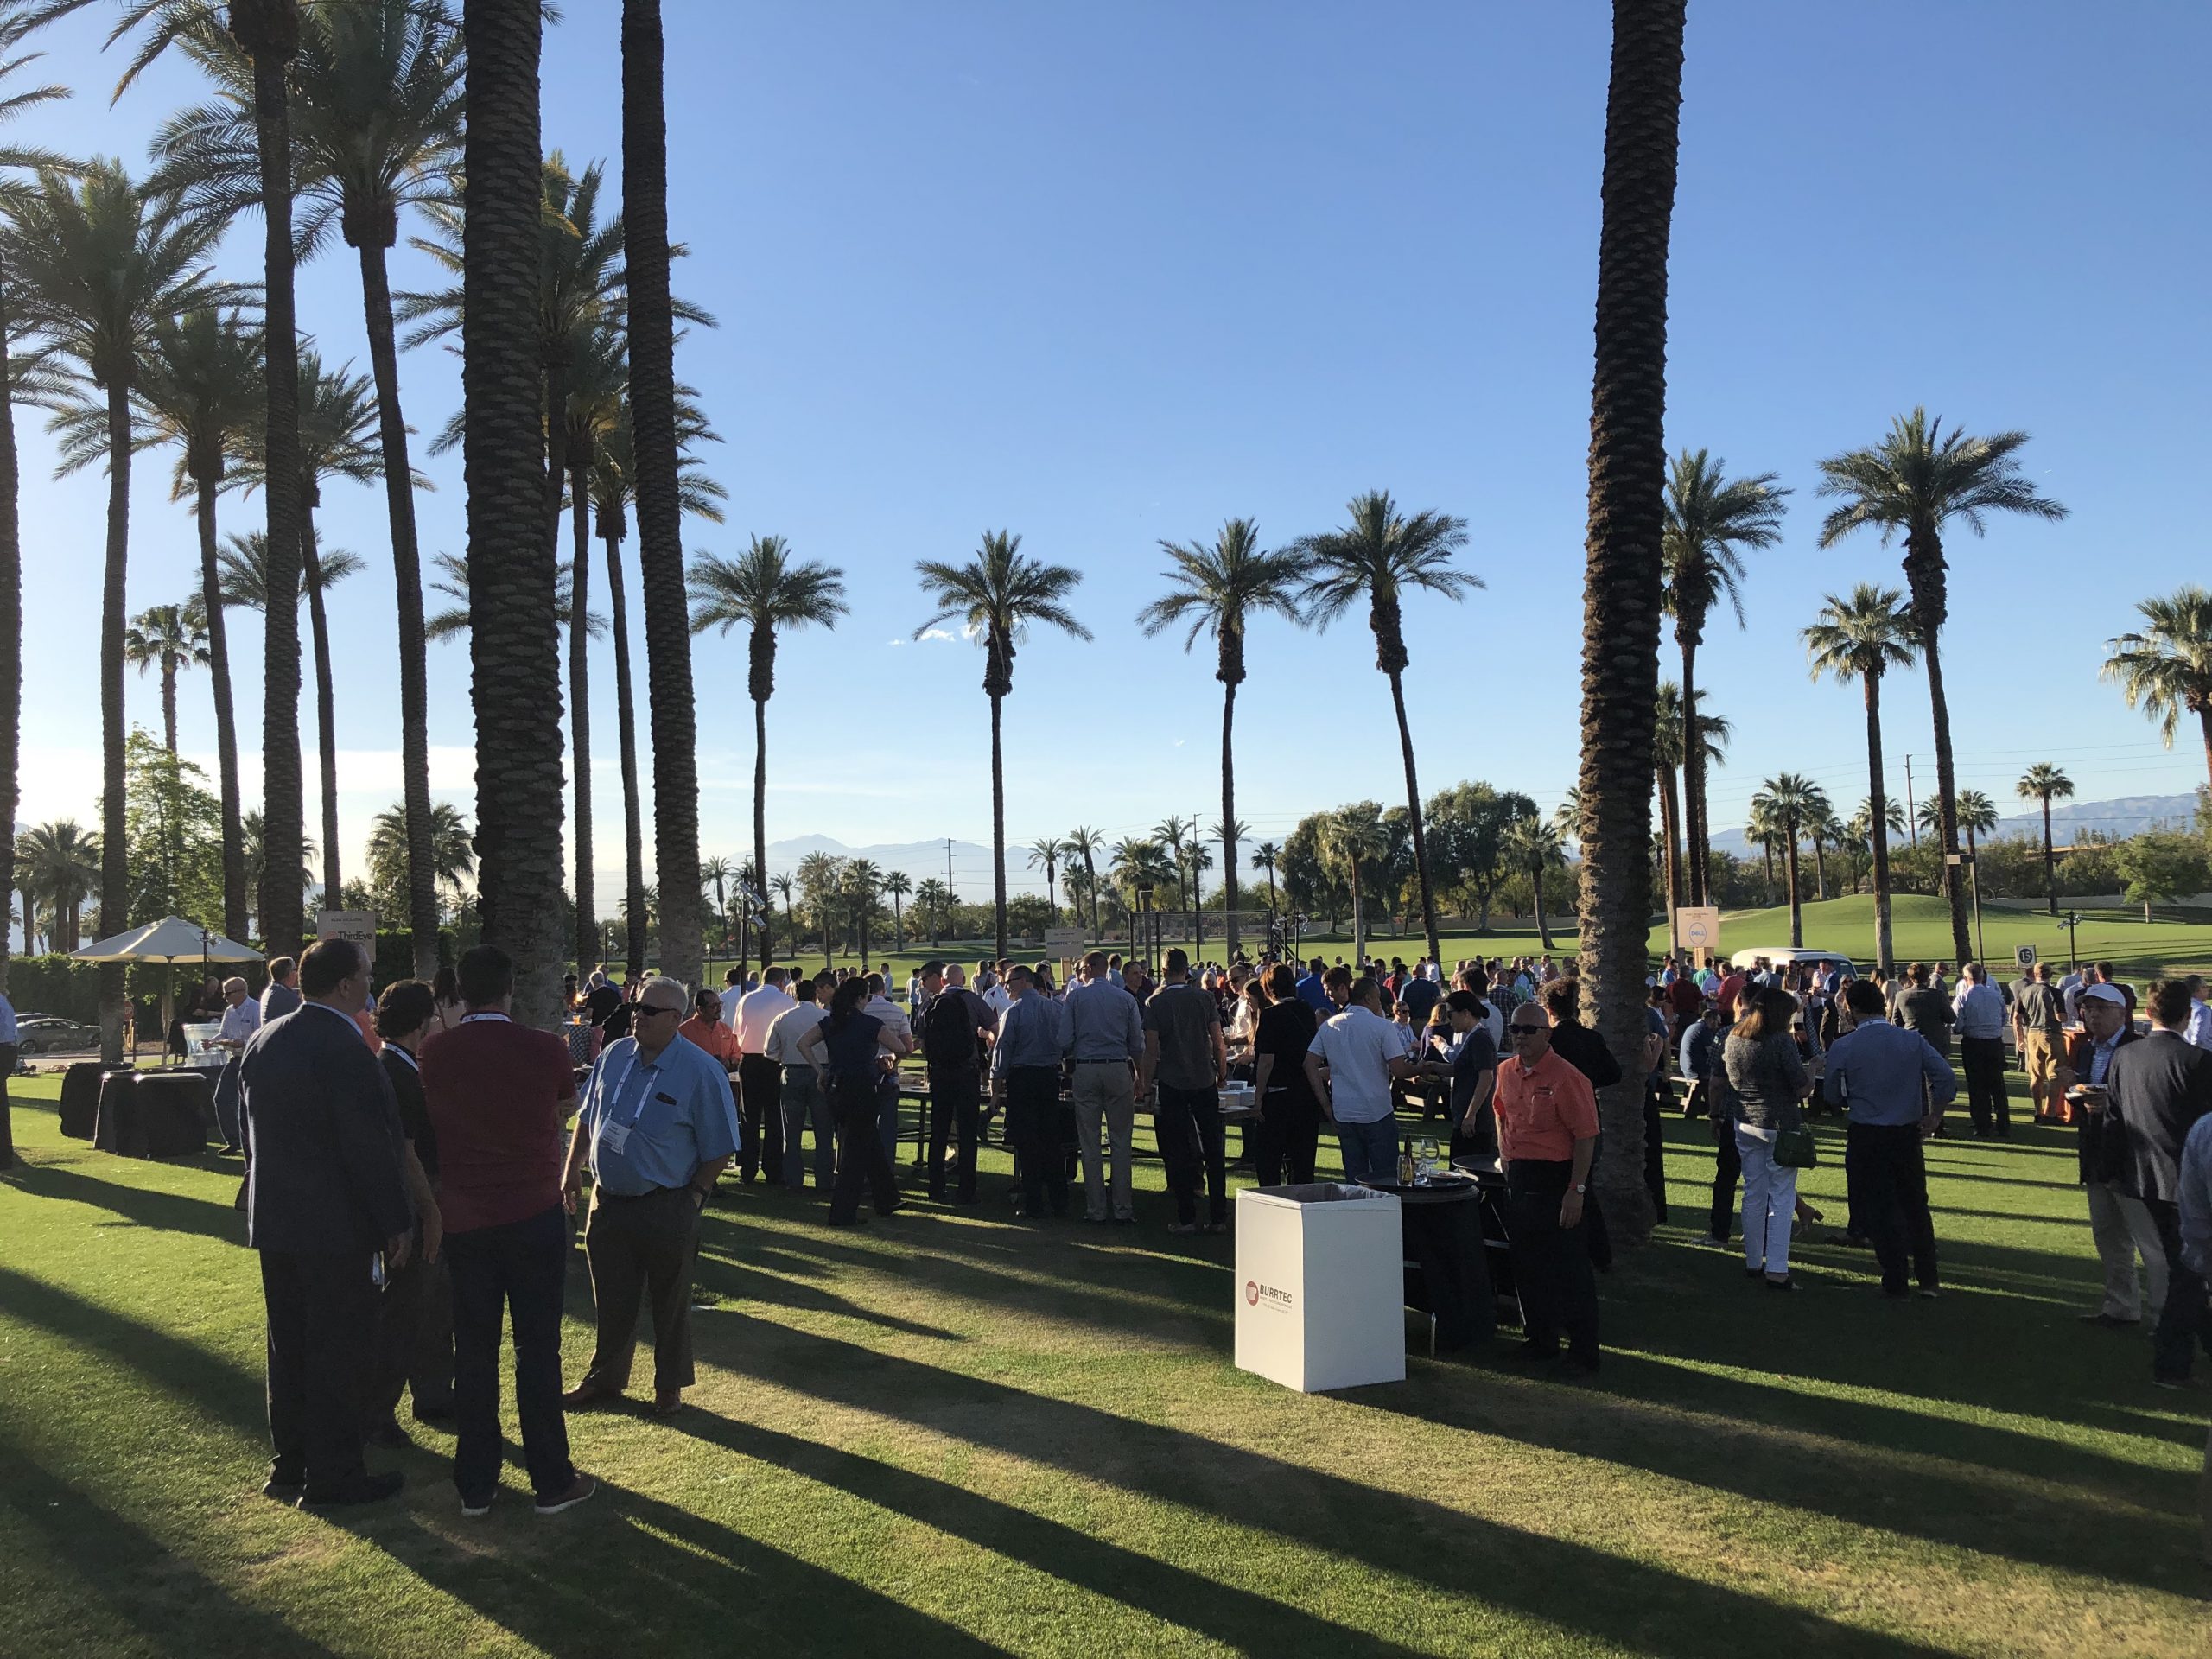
(1769, 1082)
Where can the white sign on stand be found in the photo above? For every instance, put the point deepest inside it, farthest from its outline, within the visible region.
(1320, 1286)
(1065, 941)
(1697, 927)
(2025, 955)
(358, 925)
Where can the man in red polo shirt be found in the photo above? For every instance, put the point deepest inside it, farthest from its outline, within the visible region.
(1547, 1135)
(497, 1095)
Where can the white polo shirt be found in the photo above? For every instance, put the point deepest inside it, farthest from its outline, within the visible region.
(1357, 1046)
(756, 1012)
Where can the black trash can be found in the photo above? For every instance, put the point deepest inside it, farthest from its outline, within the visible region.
(80, 1099)
(174, 1107)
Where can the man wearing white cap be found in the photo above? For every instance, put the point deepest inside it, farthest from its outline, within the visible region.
(2117, 1220)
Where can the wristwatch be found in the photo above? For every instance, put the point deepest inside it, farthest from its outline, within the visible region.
(1580, 1187)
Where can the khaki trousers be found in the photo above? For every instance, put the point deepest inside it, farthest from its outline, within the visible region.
(2123, 1230)
(1105, 1092)
(2042, 1057)
(641, 1250)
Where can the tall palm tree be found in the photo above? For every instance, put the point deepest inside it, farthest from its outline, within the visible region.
(1763, 830)
(780, 885)
(613, 486)
(1792, 803)
(1172, 832)
(2045, 783)
(1533, 846)
(1976, 814)
(999, 594)
(1862, 637)
(1669, 725)
(716, 872)
(932, 900)
(861, 878)
(898, 884)
(201, 390)
(376, 103)
(167, 637)
(2165, 666)
(1917, 479)
(1353, 839)
(15, 160)
(65, 863)
(765, 590)
(98, 266)
(1622, 588)
(660, 508)
(1267, 855)
(514, 656)
(1045, 853)
(1220, 589)
(1710, 519)
(1086, 844)
(1381, 555)
(243, 574)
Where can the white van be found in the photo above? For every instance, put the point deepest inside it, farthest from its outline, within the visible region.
(1783, 956)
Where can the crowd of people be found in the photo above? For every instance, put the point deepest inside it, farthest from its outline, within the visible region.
(431, 1136)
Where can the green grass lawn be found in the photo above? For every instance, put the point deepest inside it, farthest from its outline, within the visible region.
(1922, 927)
(949, 1435)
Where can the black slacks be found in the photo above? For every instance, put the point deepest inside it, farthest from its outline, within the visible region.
(8, 1056)
(641, 1250)
(2185, 1320)
(955, 1102)
(1655, 1149)
(1033, 1124)
(860, 1152)
(1189, 1128)
(760, 1106)
(1888, 1179)
(414, 1342)
(1289, 1137)
(1728, 1170)
(518, 1269)
(1551, 1263)
(1983, 1060)
(322, 1320)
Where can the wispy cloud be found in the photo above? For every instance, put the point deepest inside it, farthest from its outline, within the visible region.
(927, 634)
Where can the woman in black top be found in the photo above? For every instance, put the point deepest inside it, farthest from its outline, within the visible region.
(1290, 1117)
(843, 1051)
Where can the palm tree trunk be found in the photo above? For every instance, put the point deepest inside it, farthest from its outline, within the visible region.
(580, 708)
(1536, 887)
(998, 828)
(1412, 811)
(1694, 830)
(660, 530)
(2204, 723)
(761, 811)
(407, 581)
(1923, 569)
(1358, 922)
(325, 699)
(2050, 863)
(115, 870)
(1767, 846)
(1820, 868)
(1670, 815)
(626, 722)
(169, 703)
(1228, 812)
(1789, 872)
(11, 669)
(1622, 592)
(514, 641)
(269, 31)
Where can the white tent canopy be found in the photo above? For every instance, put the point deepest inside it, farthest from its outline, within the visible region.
(170, 939)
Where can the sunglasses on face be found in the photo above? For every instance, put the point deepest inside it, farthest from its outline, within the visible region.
(1520, 1032)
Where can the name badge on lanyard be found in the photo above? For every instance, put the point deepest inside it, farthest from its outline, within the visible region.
(614, 1136)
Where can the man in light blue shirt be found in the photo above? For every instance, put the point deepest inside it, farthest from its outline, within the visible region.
(657, 1127)
(2197, 1033)
(1896, 1087)
(1026, 1075)
(8, 1036)
(1106, 1037)
(1978, 1012)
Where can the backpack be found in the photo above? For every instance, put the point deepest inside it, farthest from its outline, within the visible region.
(949, 1031)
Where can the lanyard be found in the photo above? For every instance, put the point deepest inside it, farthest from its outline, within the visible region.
(613, 1096)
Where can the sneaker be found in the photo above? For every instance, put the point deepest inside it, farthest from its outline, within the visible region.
(1784, 1283)
(283, 1489)
(1930, 1293)
(577, 1492)
(1716, 1240)
(1183, 1228)
(1125, 1221)
(474, 1507)
(2110, 1321)
(368, 1489)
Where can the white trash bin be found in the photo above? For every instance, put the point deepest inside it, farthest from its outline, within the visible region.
(1320, 1286)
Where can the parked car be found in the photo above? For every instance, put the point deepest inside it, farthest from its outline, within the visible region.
(49, 1034)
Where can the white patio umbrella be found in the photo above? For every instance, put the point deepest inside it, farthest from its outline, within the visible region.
(170, 941)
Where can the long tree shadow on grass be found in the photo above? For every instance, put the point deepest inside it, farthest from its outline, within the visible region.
(143, 1206)
(128, 1573)
(1644, 1608)
(1237, 1618)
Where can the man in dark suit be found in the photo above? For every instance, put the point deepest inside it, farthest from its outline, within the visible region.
(2117, 1220)
(324, 1195)
(2159, 1088)
(415, 1322)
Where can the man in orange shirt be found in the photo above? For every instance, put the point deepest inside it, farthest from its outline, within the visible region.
(706, 1029)
(1547, 1135)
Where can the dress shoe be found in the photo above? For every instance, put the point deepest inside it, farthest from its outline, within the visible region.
(368, 1489)
(668, 1404)
(586, 1395)
(285, 1488)
(576, 1492)
(2110, 1321)
(474, 1507)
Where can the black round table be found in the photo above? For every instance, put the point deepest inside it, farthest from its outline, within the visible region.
(1447, 1274)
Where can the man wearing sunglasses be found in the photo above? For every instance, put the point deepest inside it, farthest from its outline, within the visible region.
(1547, 1135)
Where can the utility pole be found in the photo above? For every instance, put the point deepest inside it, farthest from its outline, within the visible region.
(1912, 814)
(949, 898)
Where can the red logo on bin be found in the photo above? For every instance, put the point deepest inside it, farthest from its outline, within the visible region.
(1252, 1293)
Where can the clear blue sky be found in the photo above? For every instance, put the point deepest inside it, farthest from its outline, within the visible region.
(1106, 275)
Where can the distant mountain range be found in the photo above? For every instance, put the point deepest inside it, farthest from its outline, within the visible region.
(2130, 815)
